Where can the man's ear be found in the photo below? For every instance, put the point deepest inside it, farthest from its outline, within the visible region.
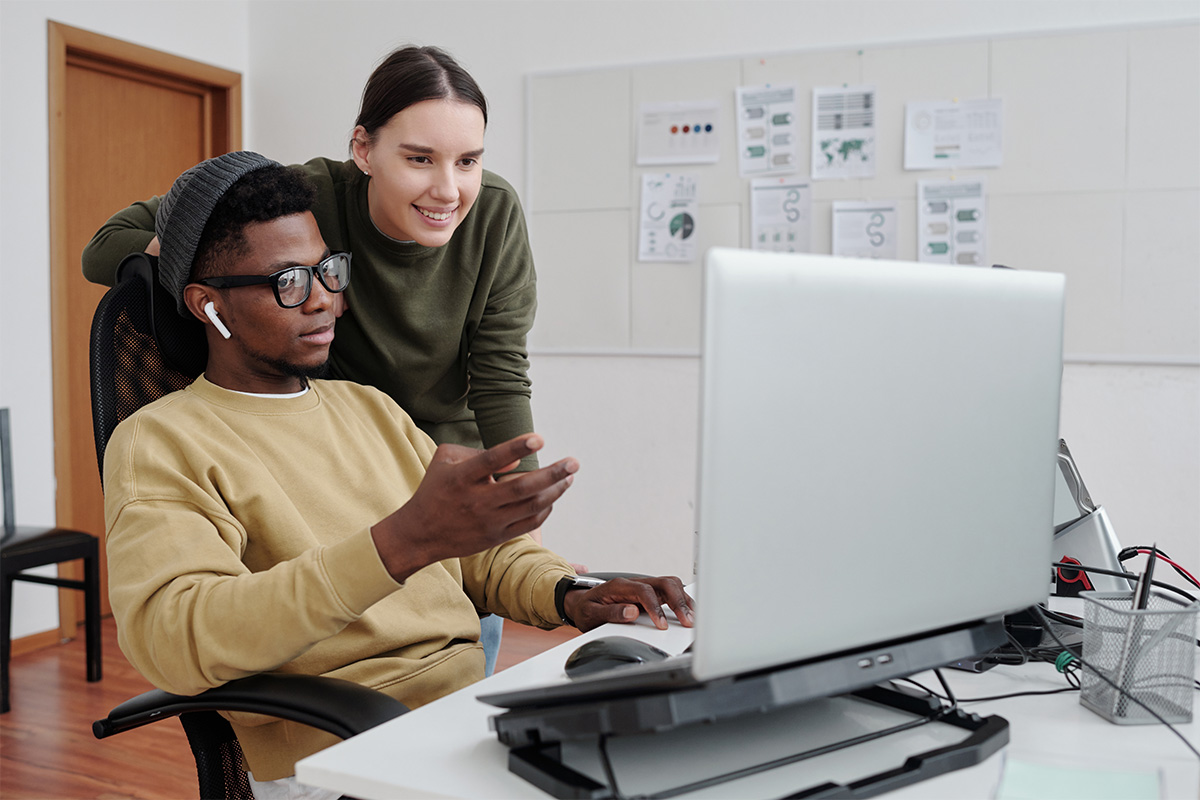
(360, 149)
(196, 297)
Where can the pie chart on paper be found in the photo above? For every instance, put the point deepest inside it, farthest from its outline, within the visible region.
(682, 226)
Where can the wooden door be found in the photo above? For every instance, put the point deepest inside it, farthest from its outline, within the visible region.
(125, 120)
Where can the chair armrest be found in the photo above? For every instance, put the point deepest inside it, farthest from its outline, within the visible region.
(333, 705)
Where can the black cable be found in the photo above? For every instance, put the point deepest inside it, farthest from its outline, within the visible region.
(1065, 619)
(1126, 575)
(949, 692)
(1024, 654)
(1130, 552)
(1029, 693)
(1128, 696)
(1121, 575)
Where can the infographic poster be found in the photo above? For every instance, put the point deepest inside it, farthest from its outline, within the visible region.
(768, 140)
(781, 215)
(667, 229)
(952, 221)
(678, 133)
(949, 135)
(843, 133)
(864, 229)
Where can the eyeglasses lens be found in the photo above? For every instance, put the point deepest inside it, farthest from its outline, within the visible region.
(295, 284)
(335, 272)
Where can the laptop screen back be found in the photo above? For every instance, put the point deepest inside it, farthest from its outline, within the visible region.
(877, 452)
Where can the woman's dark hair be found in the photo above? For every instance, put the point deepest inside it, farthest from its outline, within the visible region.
(412, 75)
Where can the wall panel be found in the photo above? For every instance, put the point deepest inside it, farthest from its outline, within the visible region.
(1093, 121)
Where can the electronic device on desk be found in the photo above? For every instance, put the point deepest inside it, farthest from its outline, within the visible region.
(1082, 536)
(1031, 636)
(1086, 537)
(886, 432)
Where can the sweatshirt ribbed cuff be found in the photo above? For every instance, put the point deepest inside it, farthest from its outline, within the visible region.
(357, 572)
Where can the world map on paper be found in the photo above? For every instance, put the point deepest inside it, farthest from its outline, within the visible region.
(843, 151)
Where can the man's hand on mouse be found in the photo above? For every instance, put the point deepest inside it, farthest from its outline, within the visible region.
(622, 599)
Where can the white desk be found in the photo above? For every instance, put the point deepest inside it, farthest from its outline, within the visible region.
(445, 749)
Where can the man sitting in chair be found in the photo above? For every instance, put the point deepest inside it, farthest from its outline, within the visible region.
(264, 519)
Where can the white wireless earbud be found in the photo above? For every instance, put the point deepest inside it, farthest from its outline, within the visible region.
(211, 313)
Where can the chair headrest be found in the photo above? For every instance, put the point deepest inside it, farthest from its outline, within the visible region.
(181, 340)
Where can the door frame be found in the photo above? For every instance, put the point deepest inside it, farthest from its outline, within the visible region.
(223, 112)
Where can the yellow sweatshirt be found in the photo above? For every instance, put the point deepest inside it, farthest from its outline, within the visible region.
(238, 540)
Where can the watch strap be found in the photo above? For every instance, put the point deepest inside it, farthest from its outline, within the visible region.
(566, 584)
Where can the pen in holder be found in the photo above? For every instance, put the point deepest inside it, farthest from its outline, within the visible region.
(1148, 652)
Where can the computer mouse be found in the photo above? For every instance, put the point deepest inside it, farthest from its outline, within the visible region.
(608, 652)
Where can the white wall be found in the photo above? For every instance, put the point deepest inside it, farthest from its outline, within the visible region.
(631, 420)
(304, 65)
(213, 32)
(310, 59)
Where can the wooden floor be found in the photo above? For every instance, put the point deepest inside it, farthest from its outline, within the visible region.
(46, 746)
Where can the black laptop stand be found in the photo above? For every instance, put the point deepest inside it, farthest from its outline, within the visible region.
(537, 738)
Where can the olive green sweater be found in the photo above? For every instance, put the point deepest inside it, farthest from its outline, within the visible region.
(238, 538)
(439, 329)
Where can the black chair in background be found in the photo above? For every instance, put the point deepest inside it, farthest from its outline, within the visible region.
(142, 349)
(25, 547)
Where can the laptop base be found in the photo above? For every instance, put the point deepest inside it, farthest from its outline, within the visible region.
(625, 704)
(542, 763)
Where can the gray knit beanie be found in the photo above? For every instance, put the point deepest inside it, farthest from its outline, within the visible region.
(184, 211)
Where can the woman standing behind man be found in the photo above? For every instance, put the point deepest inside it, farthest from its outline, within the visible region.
(444, 290)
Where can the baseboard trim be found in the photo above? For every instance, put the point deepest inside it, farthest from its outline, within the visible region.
(35, 641)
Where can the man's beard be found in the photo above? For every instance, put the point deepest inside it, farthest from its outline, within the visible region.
(291, 369)
(304, 373)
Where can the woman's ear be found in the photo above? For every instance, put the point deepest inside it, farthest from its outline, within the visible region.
(360, 148)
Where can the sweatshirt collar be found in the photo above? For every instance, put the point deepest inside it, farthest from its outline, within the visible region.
(257, 404)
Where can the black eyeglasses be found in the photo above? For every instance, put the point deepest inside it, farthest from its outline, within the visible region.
(293, 285)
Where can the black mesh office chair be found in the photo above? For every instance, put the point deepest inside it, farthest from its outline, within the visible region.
(25, 547)
(141, 350)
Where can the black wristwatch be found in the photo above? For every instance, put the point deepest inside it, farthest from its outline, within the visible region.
(567, 584)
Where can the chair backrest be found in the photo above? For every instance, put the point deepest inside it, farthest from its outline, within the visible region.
(10, 513)
(141, 348)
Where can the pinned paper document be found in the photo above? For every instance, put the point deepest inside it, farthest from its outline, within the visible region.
(946, 135)
(667, 230)
(843, 134)
(780, 215)
(952, 222)
(768, 130)
(864, 229)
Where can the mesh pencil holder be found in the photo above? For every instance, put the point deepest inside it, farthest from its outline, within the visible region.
(1149, 653)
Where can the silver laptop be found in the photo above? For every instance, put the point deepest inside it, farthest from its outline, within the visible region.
(878, 456)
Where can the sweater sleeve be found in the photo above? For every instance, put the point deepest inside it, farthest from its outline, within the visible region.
(190, 614)
(127, 231)
(499, 389)
(516, 580)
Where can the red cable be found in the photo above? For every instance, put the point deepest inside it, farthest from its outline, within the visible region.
(1182, 571)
